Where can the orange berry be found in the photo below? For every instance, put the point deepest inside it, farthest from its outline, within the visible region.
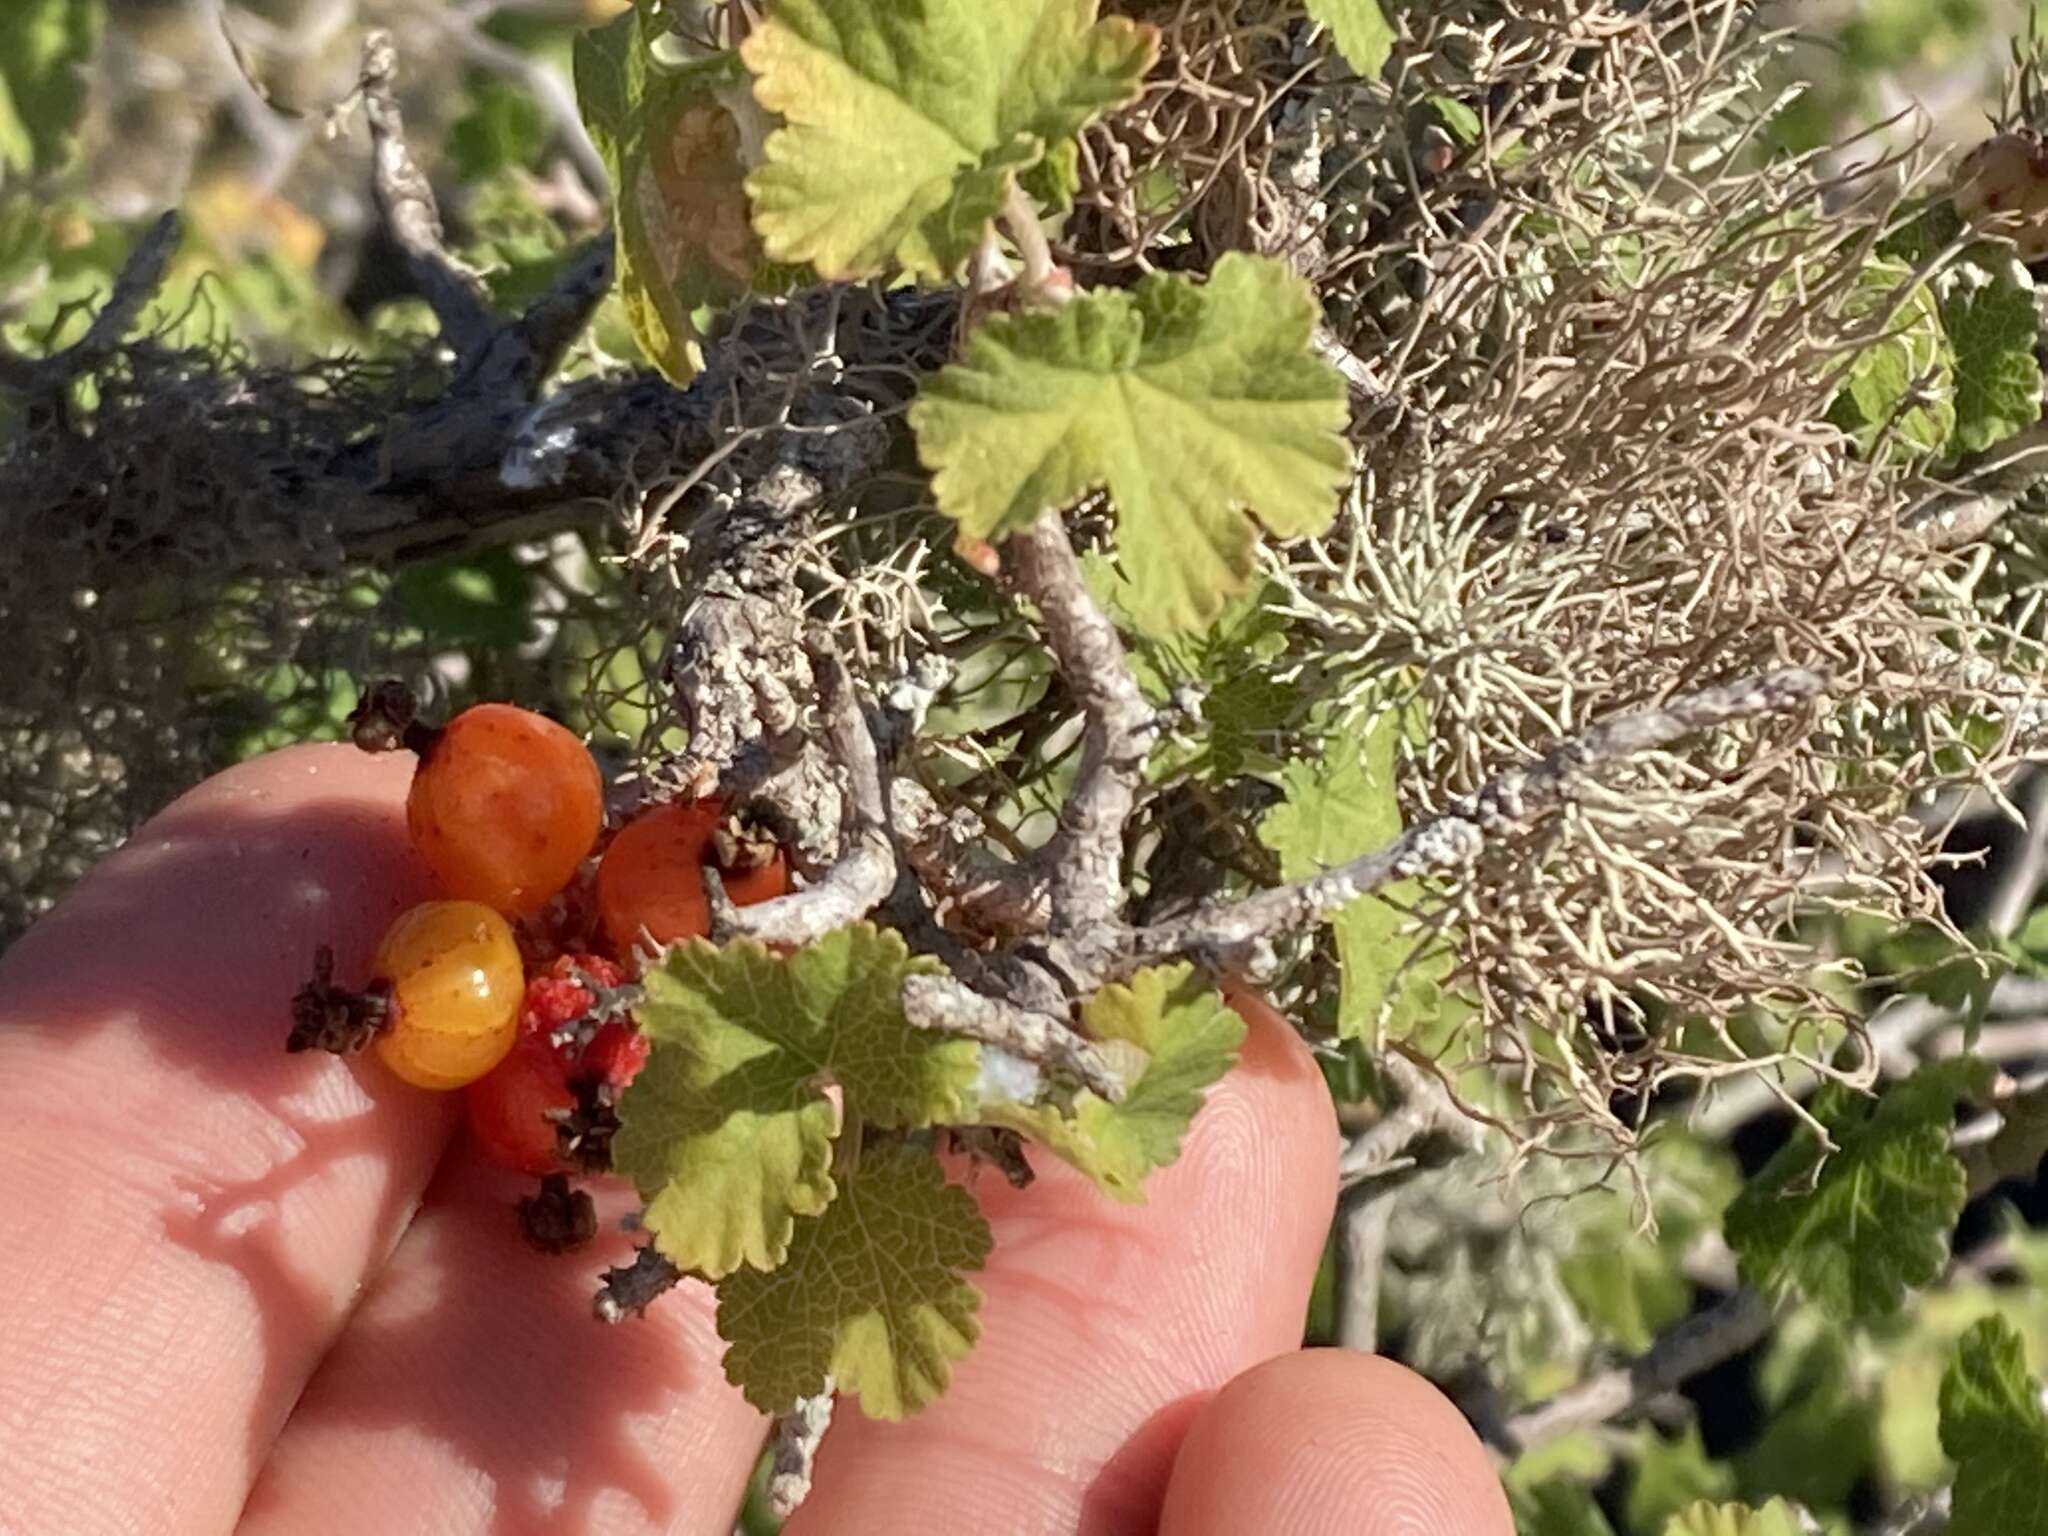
(456, 981)
(505, 805)
(652, 876)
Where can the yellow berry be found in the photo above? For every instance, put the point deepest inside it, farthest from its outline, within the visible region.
(456, 980)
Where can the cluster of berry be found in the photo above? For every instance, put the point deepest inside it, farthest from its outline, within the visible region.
(532, 1023)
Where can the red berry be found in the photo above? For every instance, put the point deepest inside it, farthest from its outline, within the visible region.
(616, 1053)
(505, 805)
(509, 1108)
(515, 1110)
(652, 876)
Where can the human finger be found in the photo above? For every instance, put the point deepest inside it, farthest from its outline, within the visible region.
(1332, 1442)
(474, 1392)
(191, 1212)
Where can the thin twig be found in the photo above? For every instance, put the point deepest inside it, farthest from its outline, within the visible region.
(1966, 509)
(794, 1454)
(1454, 840)
(1424, 1130)
(1363, 1220)
(861, 878)
(939, 1002)
(1699, 1343)
(2016, 1144)
(1083, 861)
(453, 290)
(1895, 1034)
(1021, 219)
(2022, 874)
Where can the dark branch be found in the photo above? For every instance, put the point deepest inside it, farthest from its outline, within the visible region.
(1699, 1343)
(141, 275)
(555, 319)
(454, 291)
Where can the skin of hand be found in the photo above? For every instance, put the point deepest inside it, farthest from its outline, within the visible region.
(247, 1291)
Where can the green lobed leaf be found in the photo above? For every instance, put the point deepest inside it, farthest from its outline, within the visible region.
(905, 120)
(1193, 404)
(1168, 1021)
(1670, 1475)
(1912, 354)
(727, 1132)
(1558, 1508)
(1336, 808)
(674, 151)
(871, 1294)
(1993, 1428)
(44, 46)
(1855, 1231)
(1776, 1518)
(1992, 328)
(1360, 30)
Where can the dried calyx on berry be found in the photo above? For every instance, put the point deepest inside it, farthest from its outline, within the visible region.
(741, 843)
(326, 1017)
(386, 718)
(584, 1132)
(557, 1218)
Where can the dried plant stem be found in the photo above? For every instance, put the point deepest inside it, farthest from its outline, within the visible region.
(1082, 863)
(1454, 840)
(1699, 1343)
(794, 1454)
(938, 1002)
(454, 290)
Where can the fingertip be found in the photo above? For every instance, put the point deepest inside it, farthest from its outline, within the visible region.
(1332, 1442)
(229, 1198)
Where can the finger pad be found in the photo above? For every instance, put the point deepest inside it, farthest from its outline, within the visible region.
(475, 1392)
(1333, 1443)
(198, 1207)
